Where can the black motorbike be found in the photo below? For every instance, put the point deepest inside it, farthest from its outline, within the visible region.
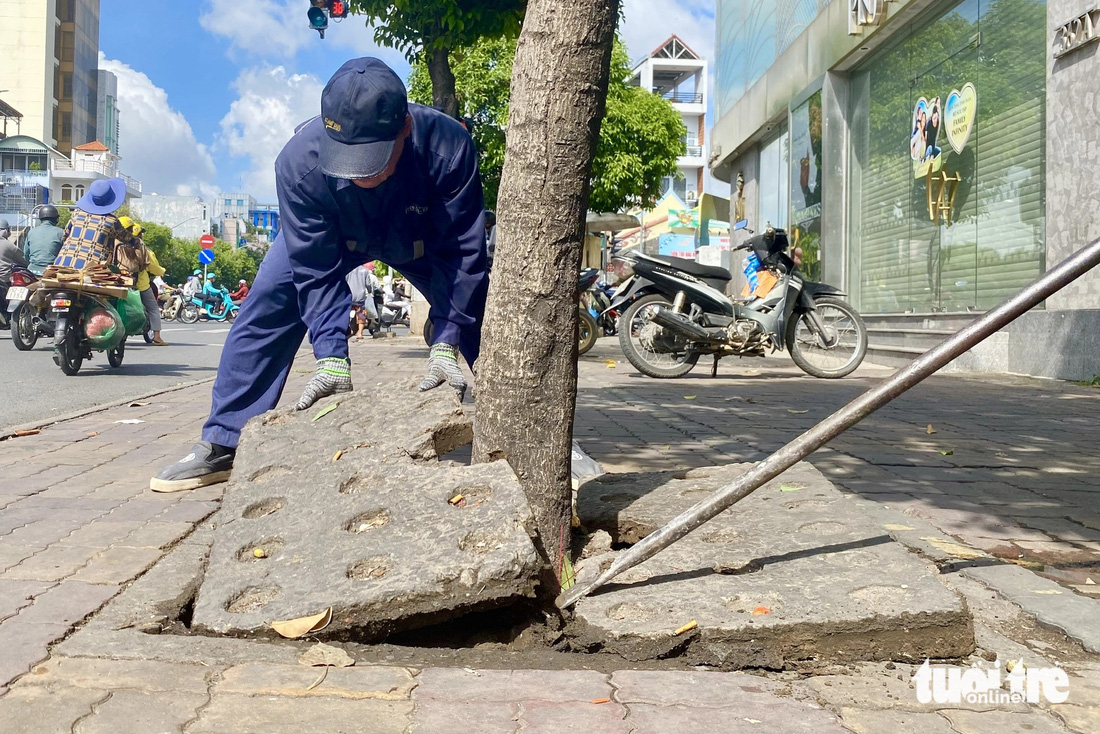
(26, 311)
(678, 311)
(588, 330)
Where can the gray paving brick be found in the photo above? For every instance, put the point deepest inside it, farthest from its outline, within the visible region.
(459, 684)
(66, 603)
(14, 595)
(286, 715)
(41, 710)
(52, 564)
(155, 534)
(24, 645)
(141, 712)
(117, 565)
(462, 717)
(140, 675)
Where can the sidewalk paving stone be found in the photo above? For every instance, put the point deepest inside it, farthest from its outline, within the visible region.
(23, 645)
(356, 682)
(892, 721)
(53, 564)
(974, 722)
(788, 718)
(432, 716)
(46, 710)
(117, 565)
(66, 603)
(291, 715)
(14, 595)
(574, 717)
(555, 686)
(139, 675)
(141, 712)
(157, 534)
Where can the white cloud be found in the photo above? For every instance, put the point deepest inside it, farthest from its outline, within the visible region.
(269, 28)
(271, 103)
(278, 29)
(156, 142)
(647, 23)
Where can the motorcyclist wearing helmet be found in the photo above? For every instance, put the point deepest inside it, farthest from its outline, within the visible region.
(10, 256)
(212, 295)
(44, 241)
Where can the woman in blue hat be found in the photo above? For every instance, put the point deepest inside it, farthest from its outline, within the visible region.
(93, 228)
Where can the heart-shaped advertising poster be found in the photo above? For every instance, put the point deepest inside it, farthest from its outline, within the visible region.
(960, 111)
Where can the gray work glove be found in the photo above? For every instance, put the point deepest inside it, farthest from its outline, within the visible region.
(333, 376)
(443, 367)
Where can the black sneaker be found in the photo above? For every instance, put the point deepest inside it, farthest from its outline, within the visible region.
(204, 465)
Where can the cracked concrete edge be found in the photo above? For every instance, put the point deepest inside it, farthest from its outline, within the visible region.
(1052, 605)
(9, 431)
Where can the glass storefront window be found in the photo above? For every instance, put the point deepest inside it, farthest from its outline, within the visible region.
(947, 176)
(805, 222)
(774, 180)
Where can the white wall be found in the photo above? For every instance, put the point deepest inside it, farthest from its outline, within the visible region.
(26, 64)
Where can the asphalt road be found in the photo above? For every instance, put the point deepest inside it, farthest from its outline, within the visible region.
(33, 388)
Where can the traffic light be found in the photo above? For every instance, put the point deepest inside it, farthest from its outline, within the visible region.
(318, 21)
(337, 8)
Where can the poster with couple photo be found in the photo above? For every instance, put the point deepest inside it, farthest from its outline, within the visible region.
(923, 142)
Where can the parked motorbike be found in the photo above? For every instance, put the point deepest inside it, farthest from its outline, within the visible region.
(391, 313)
(195, 309)
(28, 317)
(588, 330)
(85, 322)
(680, 312)
(173, 305)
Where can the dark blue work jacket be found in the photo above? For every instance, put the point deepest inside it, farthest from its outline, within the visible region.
(427, 220)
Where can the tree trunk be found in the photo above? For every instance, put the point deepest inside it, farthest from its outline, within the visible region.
(443, 80)
(527, 375)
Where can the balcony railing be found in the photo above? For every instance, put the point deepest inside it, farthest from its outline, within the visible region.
(694, 151)
(682, 97)
(93, 167)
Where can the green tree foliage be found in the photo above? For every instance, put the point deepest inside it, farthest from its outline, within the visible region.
(640, 139)
(428, 30)
(180, 257)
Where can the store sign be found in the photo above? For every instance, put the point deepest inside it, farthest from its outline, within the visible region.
(1082, 30)
(954, 117)
(683, 218)
(864, 13)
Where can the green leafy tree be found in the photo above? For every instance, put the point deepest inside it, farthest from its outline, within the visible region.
(180, 257)
(428, 30)
(641, 137)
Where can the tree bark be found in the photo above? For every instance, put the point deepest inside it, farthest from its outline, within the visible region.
(443, 80)
(527, 375)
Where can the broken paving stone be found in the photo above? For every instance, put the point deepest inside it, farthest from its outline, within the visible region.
(775, 580)
(373, 535)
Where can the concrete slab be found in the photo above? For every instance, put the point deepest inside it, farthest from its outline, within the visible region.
(385, 534)
(788, 576)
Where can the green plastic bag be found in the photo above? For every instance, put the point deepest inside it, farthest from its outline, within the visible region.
(132, 312)
(103, 326)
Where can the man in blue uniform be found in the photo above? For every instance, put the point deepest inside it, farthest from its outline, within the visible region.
(373, 177)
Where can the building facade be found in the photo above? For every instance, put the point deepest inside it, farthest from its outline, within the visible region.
(187, 216)
(33, 173)
(233, 205)
(679, 75)
(107, 110)
(930, 157)
(50, 52)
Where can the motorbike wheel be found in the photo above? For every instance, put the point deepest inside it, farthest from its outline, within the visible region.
(428, 330)
(845, 340)
(189, 314)
(23, 331)
(232, 315)
(651, 350)
(147, 334)
(69, 356)
(114, 356)
(587, 331)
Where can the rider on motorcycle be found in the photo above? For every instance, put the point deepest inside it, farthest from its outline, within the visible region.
(10, 256)
(44, 241)
(213, 296)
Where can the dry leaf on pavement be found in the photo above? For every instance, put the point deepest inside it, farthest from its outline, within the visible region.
(761, 610)
(325, 411)
(686, 628)
(137, 404)
(601, 700)
(322, 654)
(292, 629)
(610, 363)
(930, 430)
(689, 397)
(797, 412)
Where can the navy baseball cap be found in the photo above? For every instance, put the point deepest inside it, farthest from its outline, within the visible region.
(363, 107)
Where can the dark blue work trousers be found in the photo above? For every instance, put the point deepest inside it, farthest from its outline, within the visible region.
(256, 359)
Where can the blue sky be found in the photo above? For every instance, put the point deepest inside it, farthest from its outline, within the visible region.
(208, 99)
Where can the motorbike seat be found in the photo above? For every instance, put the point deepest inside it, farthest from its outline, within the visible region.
(691, 267)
